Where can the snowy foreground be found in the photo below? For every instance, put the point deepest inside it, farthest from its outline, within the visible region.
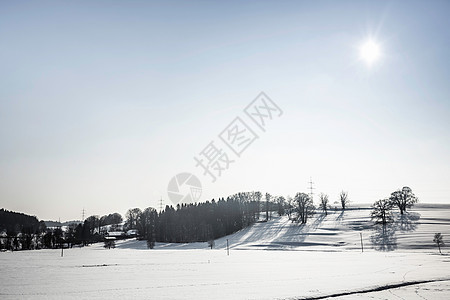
(324, 261)
(202, 274)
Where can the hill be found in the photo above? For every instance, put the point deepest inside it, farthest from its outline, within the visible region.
(60, 224)
(342, 230)
(339, 231)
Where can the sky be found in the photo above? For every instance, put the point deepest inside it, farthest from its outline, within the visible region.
(102, 103)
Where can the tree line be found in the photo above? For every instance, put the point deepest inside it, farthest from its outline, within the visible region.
(18, 230)
(198, 222)
(184, 223)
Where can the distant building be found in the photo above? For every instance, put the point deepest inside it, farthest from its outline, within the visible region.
(116, 234)
(132, 233)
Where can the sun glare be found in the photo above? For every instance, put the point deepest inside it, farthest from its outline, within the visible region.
(370, 52)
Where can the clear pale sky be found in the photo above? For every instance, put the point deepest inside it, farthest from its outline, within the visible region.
(103, 102)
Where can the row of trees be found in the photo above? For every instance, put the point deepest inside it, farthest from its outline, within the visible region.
(23, 232)
(303, 205)
(324, 202)
(210, 220)
(197, 222)
(28, 238)
(13, 222)
(185, 223)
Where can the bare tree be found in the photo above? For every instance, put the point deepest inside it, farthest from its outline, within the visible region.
(268, 196)
(257, 197)
(403, 199)
(324, 203)
(381, 211)
(439, 240)
(281, 201)
(132, 216)
(289, 206)
(343, 197)
(305, 207)
(109, 243)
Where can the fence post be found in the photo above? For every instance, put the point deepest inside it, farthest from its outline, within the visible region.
(362, 247)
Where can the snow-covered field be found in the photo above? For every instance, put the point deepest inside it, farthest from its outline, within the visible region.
(325, 261)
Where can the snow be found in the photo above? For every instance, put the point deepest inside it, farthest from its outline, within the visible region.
(339, 231)
(432, 290)
(324, 260)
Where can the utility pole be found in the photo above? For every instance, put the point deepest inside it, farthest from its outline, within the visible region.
(160, 205)
(83, 213)
(311, 193)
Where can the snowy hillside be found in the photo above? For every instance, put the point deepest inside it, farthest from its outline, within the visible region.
(341, 231)
(330, 267)
(338, 231)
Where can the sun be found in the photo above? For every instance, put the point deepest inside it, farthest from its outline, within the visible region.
(370, 52)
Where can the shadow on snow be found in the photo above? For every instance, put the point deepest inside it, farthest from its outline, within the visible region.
(384, 237)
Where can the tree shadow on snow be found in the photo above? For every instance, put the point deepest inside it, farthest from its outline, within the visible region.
(384, 238)
(318, 221)
(407, 221)
(340, 217)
